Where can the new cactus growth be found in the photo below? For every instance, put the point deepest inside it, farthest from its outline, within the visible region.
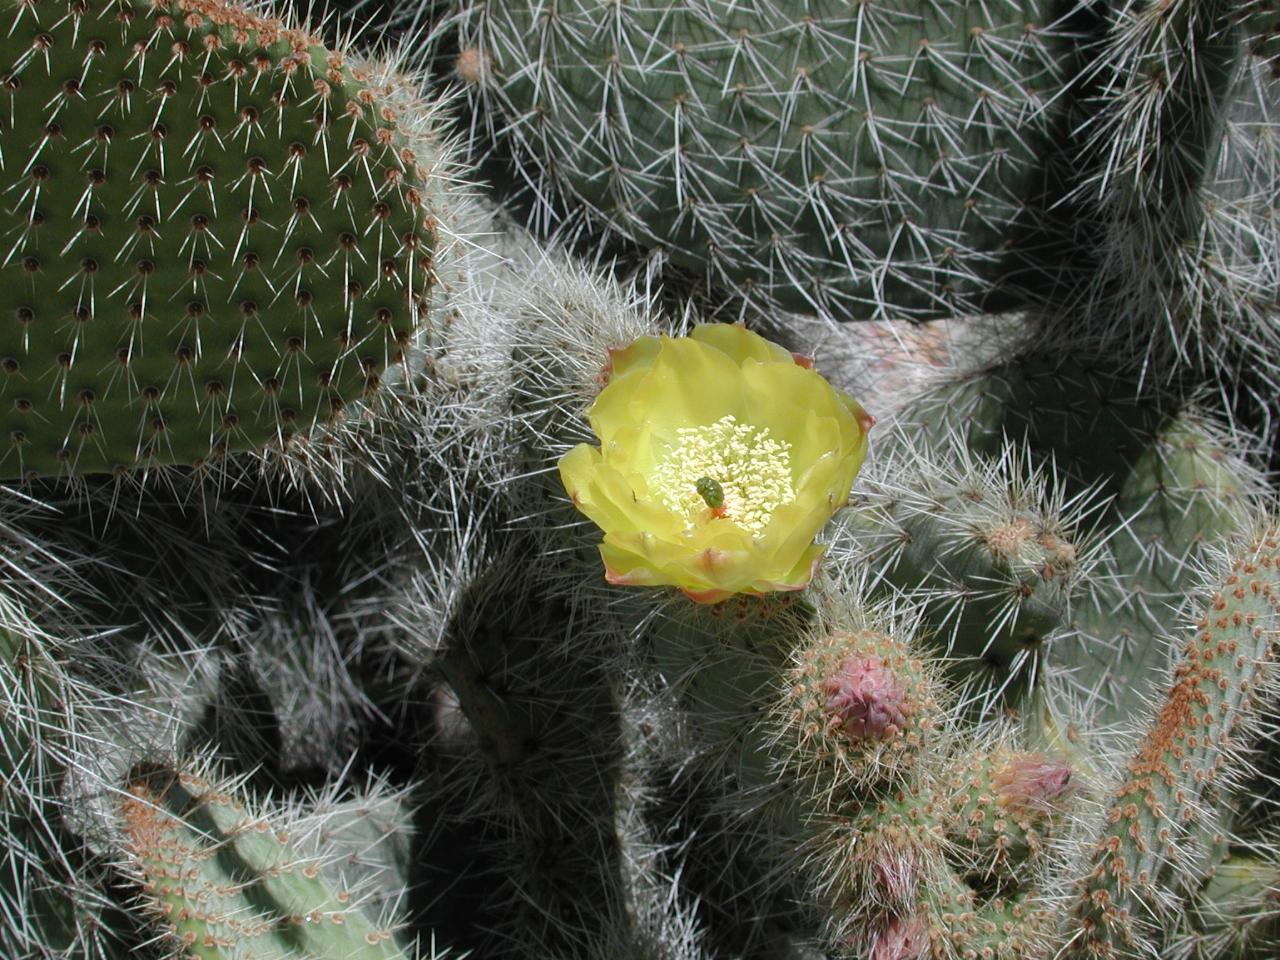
(858, 707)
(1193, 734)
(1004, 806)
(219, 234)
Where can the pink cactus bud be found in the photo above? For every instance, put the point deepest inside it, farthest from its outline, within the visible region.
(1032, 780)
(901, 940)
(866, 700)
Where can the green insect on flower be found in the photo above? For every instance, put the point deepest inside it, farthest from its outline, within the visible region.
(710, 491)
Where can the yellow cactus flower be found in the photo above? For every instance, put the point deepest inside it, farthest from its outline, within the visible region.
(721, 457)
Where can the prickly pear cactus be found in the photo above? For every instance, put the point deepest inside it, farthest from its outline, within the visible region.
(226, 880)
(1172, 482)
(219, 234)
(859, 159)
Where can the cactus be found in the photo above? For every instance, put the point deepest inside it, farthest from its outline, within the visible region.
(1179, 174)
(1234, 910)
(1173, 482)
(991, 549)
(1015, 703)
(44, 897)
(229, 242)
(227, 880)
(938, 838)
(1190, 740)
(881, 159)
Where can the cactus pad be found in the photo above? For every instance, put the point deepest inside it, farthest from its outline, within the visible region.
(226, 881)
(216, 234)
(857, 158)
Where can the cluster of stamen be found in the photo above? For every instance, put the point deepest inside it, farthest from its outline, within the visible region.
(752, 469)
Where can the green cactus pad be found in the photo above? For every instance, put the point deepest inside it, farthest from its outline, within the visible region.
(858, 158)
(1175, 483)
(993, 548)
(1178, 173)
(215, 235)
(226, 882)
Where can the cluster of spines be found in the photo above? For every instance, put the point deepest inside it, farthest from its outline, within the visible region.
(242, 235)
(39, 893)
(1236, 911)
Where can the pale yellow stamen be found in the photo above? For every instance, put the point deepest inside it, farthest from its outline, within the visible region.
(753, 469)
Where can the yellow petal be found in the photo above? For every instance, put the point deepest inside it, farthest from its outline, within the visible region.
(576, 469)
(779, 396)
(794, 525)
(637, 353)
(613, 492)
(740, 344)
(626, 566)
(634, 451)
(687, 384)
(799, 576)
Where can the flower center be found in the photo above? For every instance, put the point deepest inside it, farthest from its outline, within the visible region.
(739, 465)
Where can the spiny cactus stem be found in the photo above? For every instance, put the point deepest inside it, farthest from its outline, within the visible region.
(1008, 927)
(1186, 53)
(503, 731)
(228, 882)
(1189, 739)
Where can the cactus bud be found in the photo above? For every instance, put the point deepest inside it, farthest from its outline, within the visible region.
(901, 939)
(866, 700)
(1032, 781)
(859, 708)
(1005, 804)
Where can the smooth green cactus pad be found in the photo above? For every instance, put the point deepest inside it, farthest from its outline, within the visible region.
(216, 234)
(859, 158)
